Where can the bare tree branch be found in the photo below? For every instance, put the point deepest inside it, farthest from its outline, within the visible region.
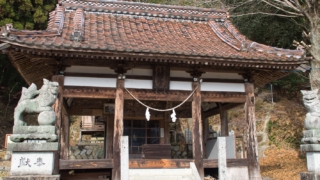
(264, 13)
(281, 9)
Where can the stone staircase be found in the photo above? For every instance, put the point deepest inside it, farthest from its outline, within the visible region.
(165, 174)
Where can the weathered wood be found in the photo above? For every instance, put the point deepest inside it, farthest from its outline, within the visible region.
(65, 175)
(64, 144)
(57, 108)
(159, 163)
(85, 164)
(167, 120)
(216, 110)
(109, 142)
(150, 95)
(213, 163)
(205, 125)
(156, 151)
(161, 78)
(223, 121)
(118, 130)
(252, 144)
(197, 140)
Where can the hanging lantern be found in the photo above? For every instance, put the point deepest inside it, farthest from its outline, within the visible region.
(173, 116)
(148, 114)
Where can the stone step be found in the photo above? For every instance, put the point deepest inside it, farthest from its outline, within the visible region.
(164, 174)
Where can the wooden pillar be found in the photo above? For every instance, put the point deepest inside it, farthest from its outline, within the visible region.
(167, 120)
(205, 136)
(118, 130)
(197, 145)
(64, 143)
(252, 145)
(223, 121)
(57, 108)
(109, 142)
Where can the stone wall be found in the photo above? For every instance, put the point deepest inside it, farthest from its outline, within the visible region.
(86, 152)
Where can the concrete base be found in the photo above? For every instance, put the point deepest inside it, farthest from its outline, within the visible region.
(309, 176)
(32, 163)
(33, 177)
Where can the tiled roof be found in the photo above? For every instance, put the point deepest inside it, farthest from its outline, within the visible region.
(128, 27)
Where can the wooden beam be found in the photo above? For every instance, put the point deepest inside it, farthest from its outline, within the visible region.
(159, 163)
(167, 120)
(213, 163)
(151, 95)
(118, 130)
(57, 108)
(223, 120)
(252, 144)
(197, 140)
(215, 111)
(64, 144)
(205, 125)
(86, 164)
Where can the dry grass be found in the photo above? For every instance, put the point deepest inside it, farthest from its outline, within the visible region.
(282, 164)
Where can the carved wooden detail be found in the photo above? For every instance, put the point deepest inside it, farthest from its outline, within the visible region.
(161, 78)
(150, 95)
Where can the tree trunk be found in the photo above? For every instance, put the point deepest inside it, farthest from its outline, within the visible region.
(315, 52)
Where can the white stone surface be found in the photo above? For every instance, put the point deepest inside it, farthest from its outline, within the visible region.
(222, 159)
(238, 173)
(165, 174)
(124, 147)
(313, 161)
(32, 163)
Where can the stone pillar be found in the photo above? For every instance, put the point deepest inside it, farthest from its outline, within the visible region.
(311, 136)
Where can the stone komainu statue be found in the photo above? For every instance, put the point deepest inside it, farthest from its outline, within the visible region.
(37, 101)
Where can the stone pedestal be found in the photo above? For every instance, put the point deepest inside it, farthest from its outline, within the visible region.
(309, 176)
(313, 161)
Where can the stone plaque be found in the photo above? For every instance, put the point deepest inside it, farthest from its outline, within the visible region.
(32, 163)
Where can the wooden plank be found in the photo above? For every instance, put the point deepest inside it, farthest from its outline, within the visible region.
(213, 163)
(223, 121)
(65, 175)
(85, 164)
(197, 140)
(151, 95)
(159, 163)
(252, 144)
(57, 108)
(118, 130)
(109, 142)
(156, 151)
